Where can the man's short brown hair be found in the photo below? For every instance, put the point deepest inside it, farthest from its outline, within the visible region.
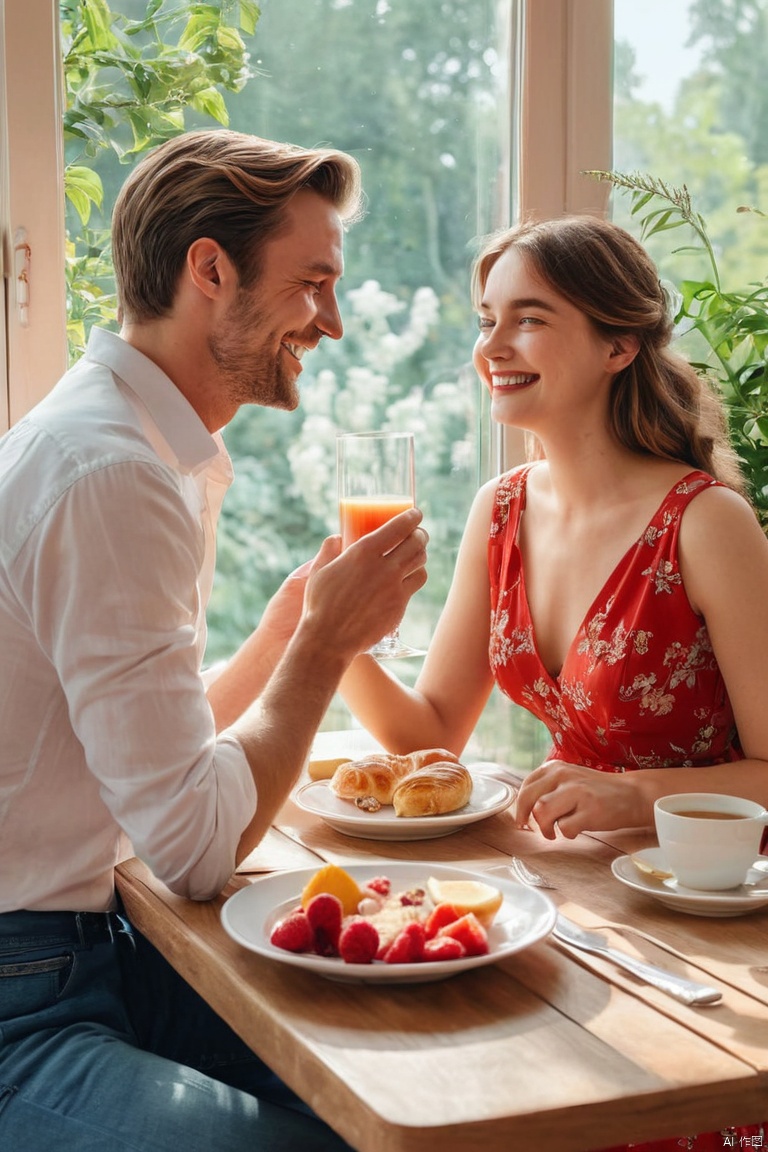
(227, 186)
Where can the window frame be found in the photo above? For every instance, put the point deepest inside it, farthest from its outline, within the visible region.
(562, 60)
(32, 199)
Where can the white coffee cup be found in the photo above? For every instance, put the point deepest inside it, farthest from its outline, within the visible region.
(708, 841)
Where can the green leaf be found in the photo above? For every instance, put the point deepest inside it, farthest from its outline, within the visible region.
(84, 181)
(759, 429)
(80, 202)
(98, 22)
(212, 103)
(250, 14)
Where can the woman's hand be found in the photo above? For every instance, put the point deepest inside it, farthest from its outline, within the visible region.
(282, 613)
(570, 798)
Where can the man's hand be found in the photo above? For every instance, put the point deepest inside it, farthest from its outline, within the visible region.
(355, 597)
(351, 599)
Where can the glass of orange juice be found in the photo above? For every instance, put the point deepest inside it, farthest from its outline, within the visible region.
(377, 480)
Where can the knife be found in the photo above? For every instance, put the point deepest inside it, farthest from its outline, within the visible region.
(688, 991)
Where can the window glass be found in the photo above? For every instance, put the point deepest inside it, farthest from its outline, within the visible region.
(692, 112)
(418, 110)
(691, 108)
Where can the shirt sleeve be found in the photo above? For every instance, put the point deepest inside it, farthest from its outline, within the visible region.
(113, 571)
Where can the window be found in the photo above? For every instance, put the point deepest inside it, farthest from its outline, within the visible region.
(463, 114)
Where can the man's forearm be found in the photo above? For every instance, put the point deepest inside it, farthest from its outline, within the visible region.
(277, 731)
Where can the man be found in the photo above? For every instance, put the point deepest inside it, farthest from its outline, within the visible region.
(227, 252)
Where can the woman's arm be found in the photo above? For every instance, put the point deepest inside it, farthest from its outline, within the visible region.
(455, 681)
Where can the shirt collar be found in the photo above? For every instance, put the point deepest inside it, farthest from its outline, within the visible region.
(174, 417)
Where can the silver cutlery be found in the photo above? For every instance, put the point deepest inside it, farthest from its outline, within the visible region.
(687, 991)
(527, 875)
(567, 932)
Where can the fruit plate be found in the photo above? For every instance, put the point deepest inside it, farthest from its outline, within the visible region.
(525, 916)
(489, 796)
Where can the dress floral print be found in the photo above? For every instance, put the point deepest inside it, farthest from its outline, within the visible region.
(640, 686)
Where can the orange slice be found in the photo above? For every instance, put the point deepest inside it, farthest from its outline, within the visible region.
(331, 878)
(467, 896)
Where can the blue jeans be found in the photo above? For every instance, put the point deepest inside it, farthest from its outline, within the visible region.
(104, 1047)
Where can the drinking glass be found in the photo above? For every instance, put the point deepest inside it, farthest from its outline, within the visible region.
(377, 480)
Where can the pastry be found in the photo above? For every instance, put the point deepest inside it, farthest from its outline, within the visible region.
(433, 791)
(375, 777)
(378, 775)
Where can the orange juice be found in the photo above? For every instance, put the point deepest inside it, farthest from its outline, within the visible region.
(360, 515)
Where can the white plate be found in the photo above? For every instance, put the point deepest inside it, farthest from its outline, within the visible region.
(526, 915)
(732, 902)
(489, 796)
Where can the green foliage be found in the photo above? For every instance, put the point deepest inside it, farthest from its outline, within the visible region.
(129, 84)
(732, 326)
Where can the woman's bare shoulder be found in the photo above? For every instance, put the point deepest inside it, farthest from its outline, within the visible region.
(722, 546)
(720, 511)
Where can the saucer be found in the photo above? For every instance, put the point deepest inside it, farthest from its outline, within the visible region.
(731, 902)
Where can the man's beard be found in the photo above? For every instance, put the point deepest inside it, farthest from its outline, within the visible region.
(252, 375)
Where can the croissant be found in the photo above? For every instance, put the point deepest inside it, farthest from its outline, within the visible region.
(378, 775)
(433, 791)
(375, 776)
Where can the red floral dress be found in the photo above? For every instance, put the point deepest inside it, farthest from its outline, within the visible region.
(639, 687)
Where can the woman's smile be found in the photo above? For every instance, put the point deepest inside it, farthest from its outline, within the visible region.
(513, 380)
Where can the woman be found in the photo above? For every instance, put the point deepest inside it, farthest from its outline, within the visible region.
(616, 585)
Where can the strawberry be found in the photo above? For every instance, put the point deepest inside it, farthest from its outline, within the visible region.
(470, 932)
(359, 941)
(294, 933)
(444, 948)
(325, 914)
(381, 885)
(440, 915)
(408, 946)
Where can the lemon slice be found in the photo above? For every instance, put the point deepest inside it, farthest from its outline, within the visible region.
(467, 896)
(331, 878)
(324, 769)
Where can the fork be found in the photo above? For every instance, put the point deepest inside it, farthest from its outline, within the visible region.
(528, 875)
(567, 932)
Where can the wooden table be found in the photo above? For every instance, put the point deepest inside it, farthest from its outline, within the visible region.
(542, 1051)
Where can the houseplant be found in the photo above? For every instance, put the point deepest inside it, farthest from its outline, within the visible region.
(727, 328)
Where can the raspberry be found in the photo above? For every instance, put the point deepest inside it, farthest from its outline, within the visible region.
(408, 946)
(294, 933)
(382, 885)
(325, 914)
(440, 915)
(444, 948)
(358, 942)
(470, 932)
